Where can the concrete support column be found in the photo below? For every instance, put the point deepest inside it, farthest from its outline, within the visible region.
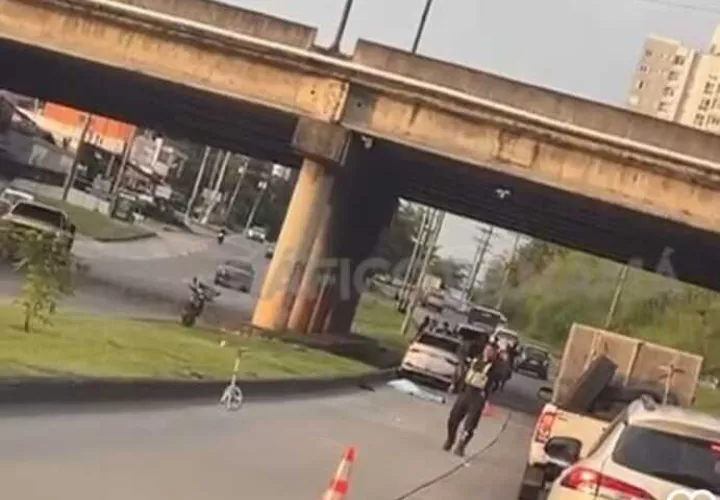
(323, 146)
(312, 281)
(298, 232)
(362, 243)
(365, 209)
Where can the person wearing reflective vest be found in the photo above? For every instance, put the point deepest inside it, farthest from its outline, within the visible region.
(470, 402)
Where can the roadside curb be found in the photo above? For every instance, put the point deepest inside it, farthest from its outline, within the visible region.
(137, 237)
(34, 391)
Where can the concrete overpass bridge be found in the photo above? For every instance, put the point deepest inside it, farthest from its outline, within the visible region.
(369, 128)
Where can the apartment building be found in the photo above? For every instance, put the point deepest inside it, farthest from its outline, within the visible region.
(678, 83)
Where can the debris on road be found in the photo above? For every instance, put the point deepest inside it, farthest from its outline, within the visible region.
(411, 388)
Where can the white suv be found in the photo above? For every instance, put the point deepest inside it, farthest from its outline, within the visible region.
(649, 452)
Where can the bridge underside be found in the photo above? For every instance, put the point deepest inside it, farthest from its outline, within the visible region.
(182, 111)
(570, 220)
(176, 110)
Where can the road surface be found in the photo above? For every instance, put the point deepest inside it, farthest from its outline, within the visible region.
(268, 450)
(111, 284)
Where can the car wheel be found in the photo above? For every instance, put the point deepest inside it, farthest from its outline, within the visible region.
(533, 483)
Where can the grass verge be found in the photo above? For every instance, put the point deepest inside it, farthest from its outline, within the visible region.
(377, 317)
(708, 400)
(99, 226)
(94, 346)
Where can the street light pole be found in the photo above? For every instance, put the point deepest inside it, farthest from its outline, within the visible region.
(477, 264)
(413, 256)
(216, 189)
(70, 177)
(432, 240)
(124, 161)
(198, 181)
(262, 185)
(421, 26)
(236, 191)
(335, 46)
(422, 242)
(506, 275)
(622, 278)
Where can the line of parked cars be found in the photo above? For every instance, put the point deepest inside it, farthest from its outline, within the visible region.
(432, 356)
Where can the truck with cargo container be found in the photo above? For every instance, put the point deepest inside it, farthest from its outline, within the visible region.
(600, 373)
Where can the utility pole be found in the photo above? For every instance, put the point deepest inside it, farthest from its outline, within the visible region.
(236, 191)
(335, 46)
(432, 241)
(198, 181)
(413, 256)
(262, 186)
(622, 278)
(218, 185)
(70, 177)
(506, 275)
(124, 161)
(478, 262)
(422, 242)
(421, 26)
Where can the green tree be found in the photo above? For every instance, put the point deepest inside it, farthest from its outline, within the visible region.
(47, 266)
(453, 272)
(396, 242)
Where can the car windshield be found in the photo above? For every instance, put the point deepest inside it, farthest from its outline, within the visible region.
(38, 212)
(690, 462)
(534, 352)
(443, 343)
(484, 316)
(240, 265)
(507, 336)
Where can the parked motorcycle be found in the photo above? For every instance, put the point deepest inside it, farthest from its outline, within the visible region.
(200, 295)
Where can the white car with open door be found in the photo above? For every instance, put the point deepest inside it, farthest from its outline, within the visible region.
(432, 357)
(648, 452)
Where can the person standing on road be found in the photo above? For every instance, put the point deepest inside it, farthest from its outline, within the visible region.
(464, 353)
(469, 404)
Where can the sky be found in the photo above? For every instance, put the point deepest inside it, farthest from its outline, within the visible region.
(583, 47)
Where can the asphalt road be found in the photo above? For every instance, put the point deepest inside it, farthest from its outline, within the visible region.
(156, 287)
(285, 450)
(269, 450)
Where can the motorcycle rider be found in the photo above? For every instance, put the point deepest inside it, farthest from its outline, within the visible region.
(470, 403)
(221, 236)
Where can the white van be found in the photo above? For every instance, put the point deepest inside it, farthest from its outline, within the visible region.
(433, 357)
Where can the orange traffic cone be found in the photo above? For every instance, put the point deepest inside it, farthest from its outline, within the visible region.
(340, 483)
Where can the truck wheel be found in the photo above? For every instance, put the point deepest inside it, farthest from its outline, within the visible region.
(589, 385)
(533, 483)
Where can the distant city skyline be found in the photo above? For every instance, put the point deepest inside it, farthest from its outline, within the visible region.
(679, 83)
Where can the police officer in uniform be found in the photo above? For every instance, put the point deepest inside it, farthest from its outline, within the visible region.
(469, 404)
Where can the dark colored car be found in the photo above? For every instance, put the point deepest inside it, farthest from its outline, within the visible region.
(270, 251)
(535, 360)
(235, 274)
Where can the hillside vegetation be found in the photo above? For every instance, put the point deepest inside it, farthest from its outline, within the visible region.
(550, 288)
